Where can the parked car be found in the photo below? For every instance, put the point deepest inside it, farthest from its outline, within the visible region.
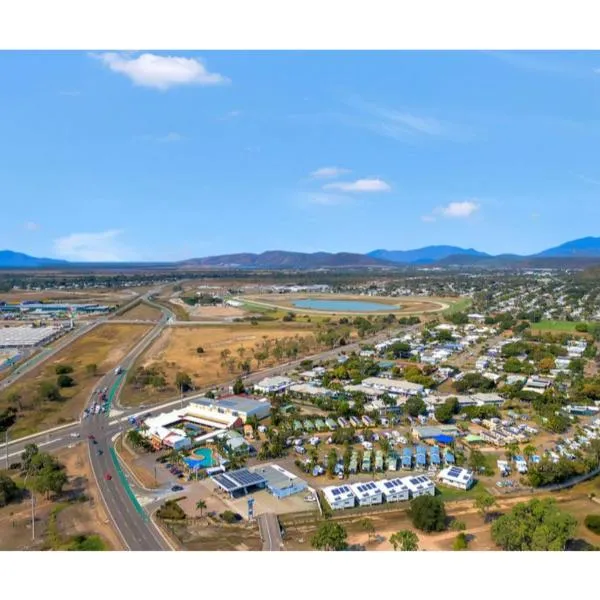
(177, 488)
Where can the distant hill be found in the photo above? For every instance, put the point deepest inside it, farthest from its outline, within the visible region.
(17, 260)
(584, 247)
(426, 255)
(279, 259)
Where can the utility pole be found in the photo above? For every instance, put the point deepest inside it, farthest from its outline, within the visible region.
(6, 437)
(32, 517)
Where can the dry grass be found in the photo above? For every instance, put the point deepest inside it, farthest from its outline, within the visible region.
(104, 346)
(142, 312)
(175, 350)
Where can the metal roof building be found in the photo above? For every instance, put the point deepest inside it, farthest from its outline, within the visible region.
(419, 486)
(457, 477)
(367, 493)
(240, 482)
(393, 490)
(280, 483)
(339, 497)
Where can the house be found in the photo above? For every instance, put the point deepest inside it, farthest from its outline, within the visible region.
(393, 490)
(270, 385)
(428, 432)
(488, 399)
(234, 441)
(307, 389)
(367, 493)
(456, 477)
(331, 424)
(537, 384)
(419, 486)
(339, 497)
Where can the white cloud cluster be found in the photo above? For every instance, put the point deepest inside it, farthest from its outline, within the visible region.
(161, 72)
(329, 172)
(360, 185)
(453, 210)
(31, 226)
(92, 247)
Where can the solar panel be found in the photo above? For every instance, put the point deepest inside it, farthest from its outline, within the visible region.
(414, 481)
(225, 482)
(389, 484)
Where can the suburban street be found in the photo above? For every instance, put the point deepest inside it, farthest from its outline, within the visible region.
(270, 532)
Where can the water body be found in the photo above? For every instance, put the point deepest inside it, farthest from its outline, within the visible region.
(344, 305)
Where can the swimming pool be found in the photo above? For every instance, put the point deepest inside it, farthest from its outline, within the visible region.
(344, 305)
(200, 458)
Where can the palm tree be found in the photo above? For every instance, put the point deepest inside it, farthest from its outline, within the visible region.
(200, 505)
(529, 451)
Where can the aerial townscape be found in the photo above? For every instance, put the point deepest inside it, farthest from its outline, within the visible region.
(305, 302)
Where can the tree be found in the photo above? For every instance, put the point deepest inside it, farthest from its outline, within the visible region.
(330, 536)
(91, 369)
(63, 369)
(428, 513)
(49, 391)
(592, 522)
(483, 503)
(529, 450)
(461, 542)
(9, 490)
(199, 350)
(331, 462)
(29, 452)
(65, 381)
(444, 413)
(546, 364)
(415, 406)
(238, 387)
(535, 525)
(368, 526)
(200, 505)
(406, 540)
(183, 381)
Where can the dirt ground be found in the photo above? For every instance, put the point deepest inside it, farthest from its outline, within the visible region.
(205, 536)
(175, 350)
(102, 296)
(575, 502)
(142, 312)
(88, 517)
(105, 346)
(216, 312)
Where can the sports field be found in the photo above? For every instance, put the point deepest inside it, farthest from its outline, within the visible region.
(558, 326)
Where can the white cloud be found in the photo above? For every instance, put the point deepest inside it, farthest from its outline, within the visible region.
(459, 210)
(93, 247)
(161, 72)
(360, 185)
(172, 136)
(329, 172)
(404, 125)
(428, 218)
(31, 226)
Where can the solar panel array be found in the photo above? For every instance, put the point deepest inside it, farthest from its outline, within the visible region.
(226, 483)
(394, 483)
(241, 478)
(366, 487)
(341, 490)
(418, 480)
(454, 472)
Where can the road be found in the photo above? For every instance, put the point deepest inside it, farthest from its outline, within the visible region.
(270, 532)
(136, 529)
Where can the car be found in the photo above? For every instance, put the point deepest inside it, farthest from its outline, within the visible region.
(177, 488)
(99, 452)
(75, 435)
(90, 437)
(107, 476)
(94, 442)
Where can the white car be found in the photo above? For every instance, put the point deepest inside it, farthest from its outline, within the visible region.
(75, 435)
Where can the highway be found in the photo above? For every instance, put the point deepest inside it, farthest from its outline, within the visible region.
(131, 521)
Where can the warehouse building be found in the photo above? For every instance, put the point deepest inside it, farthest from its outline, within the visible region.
(281, 483)
(27, 336)
(339, 497)
(237, 407)
(270, 385)
(240, 482)
(394, 386)
(393, 490)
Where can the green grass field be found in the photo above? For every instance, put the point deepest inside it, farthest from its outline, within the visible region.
(565, 326)
(458, 306)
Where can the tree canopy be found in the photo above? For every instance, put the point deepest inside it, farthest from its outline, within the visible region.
(405, 540)
(535, 525)
(330, 536)
(428, 513)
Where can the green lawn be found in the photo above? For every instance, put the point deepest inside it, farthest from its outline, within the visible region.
(568, 326)
(458, 306)
(450, 494)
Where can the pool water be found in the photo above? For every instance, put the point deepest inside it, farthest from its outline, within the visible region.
(200, 458)
(344, 305)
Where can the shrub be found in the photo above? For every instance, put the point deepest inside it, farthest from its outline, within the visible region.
(65, 381)
(200, 350)
(592, 522)
(171, 510)
(229, 516)
(63, 369)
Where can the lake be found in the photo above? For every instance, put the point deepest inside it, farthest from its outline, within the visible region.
(344, 305)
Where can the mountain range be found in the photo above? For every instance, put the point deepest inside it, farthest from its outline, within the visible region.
(584, 251)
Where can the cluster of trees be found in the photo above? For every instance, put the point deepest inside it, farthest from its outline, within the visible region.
(330, 536)
(428, 514)
(537, 525)
(171, 510)
(457, 318)
(152, 376)
(413, 374)
(547, 472)
(46, 474)
(446, 411)
(137, 440)
(64, 379)
(473, 382)
(354, 369)
(415, 406)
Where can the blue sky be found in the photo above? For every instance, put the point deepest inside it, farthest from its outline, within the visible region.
(170, 155)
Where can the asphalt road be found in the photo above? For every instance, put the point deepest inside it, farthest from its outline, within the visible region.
(270, 532)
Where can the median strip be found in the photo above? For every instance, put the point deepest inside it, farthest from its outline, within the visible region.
(126, 485)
